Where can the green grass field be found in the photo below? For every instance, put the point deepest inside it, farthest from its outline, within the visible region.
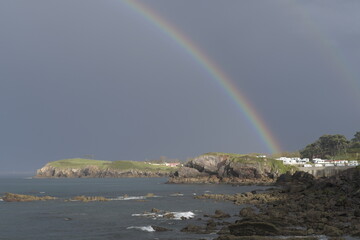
(120, 165)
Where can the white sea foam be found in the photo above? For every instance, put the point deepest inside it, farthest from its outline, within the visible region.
(183, 215)
(145, 215)
(142, 228)
(128, 198)
(1, 200)
(170, 215)
(177, 195)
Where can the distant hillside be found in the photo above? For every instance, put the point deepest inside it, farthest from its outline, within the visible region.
(79, 167)
(230, 168)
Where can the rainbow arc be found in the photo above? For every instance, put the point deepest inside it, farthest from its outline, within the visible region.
(223, 81)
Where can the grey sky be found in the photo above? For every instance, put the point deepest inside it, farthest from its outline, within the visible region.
(94, 77)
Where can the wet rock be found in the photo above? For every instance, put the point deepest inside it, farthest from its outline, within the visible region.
(194, 229)
(211, 225)
(169, 215)
(220, 214)
(332, 231)
(357, 212)
(247, 212)
(160, 229)
(12, 197)
(155, 210)
(231, 237)
(253, 228)
(90, 199)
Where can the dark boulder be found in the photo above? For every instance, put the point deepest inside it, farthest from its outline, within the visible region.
(186, 172)
(253, 229)
(160, 229)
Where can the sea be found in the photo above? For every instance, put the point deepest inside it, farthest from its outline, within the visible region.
(127, 216)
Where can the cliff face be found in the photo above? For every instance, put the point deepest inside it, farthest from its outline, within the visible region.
(49, 171)
(215, 168)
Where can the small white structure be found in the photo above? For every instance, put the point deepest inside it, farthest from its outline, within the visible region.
(319, 160)
(340, 164)
(353, 163)
(329, 165)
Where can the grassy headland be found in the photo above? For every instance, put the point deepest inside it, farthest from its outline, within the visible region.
(116, 165)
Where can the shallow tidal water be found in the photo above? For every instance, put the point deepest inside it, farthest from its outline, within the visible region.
(120, 218)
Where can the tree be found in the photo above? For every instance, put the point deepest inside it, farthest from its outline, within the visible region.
(356, 137)
(333, 145)
(311, 151)
(355, 143)
(326, 146)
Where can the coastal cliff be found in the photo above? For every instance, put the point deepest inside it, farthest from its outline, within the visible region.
(80, 168)
(230, 168)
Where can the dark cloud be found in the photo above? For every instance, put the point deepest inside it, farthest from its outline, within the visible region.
(95, 77)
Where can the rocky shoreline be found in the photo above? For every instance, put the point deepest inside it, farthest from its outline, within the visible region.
(95, 172)
(222, 180)
(300, 206)
(229, 168)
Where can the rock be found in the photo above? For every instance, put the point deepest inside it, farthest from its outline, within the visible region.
(208, 164)
(155, 210)
(298, 177)
(187, 172)
(226, 168)
(90, 199)
(49, 171)
(160, 229)
(210, 225)
(247, 212)
(169, 215)
(253, 228)
(220, 214)
(357, 212)
(193, 229)
(12, 197)
(332, 231)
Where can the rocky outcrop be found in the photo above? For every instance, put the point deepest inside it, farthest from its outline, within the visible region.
(225, 168)
(12, 197)
(49, 171)
(89, 199)
(301, 206)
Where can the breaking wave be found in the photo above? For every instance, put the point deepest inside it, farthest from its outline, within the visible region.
(142, 228)
(169, 215)
(183, 215)
(128, 198)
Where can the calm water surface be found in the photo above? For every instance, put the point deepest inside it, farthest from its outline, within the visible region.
(106, 220)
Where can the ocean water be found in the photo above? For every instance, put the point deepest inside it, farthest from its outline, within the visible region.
(121, 218)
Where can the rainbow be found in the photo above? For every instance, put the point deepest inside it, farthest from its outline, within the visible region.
(212, 69)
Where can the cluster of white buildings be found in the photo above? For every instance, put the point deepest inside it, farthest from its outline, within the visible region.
(175, 164)
(318, 162)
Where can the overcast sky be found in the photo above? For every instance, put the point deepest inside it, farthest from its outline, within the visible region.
(95, 77)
